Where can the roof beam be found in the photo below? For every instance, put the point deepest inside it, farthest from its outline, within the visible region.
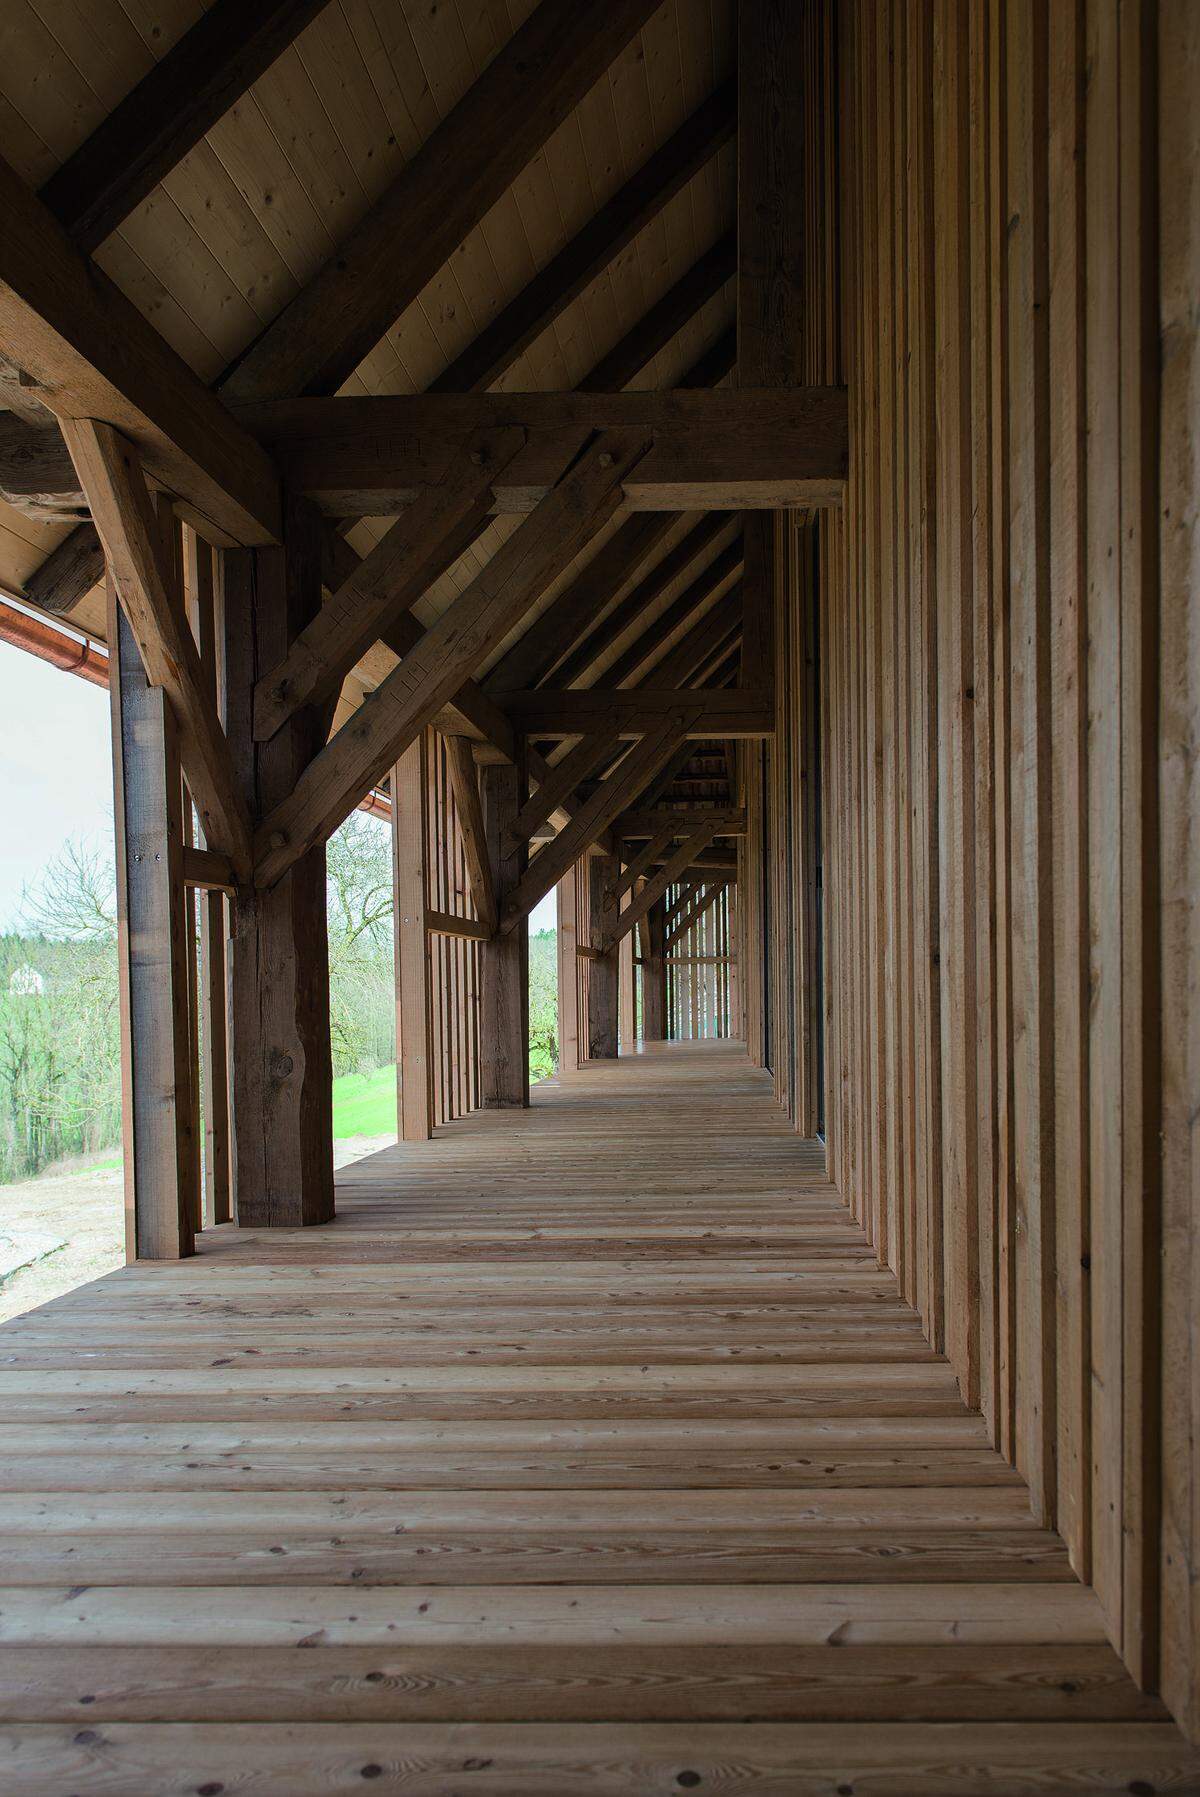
(93, 355)
(589, 754)
(645, 858)
(712, 580)
(470, 159)
(168, 112)
(424, 541)
(710, 448)
(681, 663)
(566, 711)
(111, 476)
(626, 613)
(412, 695)
(727, 820)
(693, 845)
(628, 779)
(665, 319)
(591, 250)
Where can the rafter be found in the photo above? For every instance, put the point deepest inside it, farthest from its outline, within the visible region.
(590, 753)
(420, 685)
(722, 447)
(692, 845)
(470, 159)
(595, 816)
(645, 857)
(712, 580)
(93, 355)
(169, 111)
(111, 476)
(622, 616)
(665, 319)
(591, 250)
(694, 650)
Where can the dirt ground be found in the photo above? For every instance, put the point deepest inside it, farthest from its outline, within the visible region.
(70, 1227)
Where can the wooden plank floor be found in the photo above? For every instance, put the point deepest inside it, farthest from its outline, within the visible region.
(589, 1450)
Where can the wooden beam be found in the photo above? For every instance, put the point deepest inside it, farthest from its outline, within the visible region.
(538, 649)
(603, 1011)
(448, 923)
(696, 650)
(727, 820)
(715, 579)
(627, 611)
(595, 815)
(93, 355)
(691, 915)
(414, 1014)
(111, 475)
(771, 229)
(504, 960)
(566, 711)
(710, 448)
(466, 164)
(593, 248)
(168, 112)
(464, 783)
(208, 870)
(645, 858)
(665, 319)
(404, 564)
(694, 844)
(412, 695)
(157, 1118)
(561, 780)
(68, 573)
(280, 1056)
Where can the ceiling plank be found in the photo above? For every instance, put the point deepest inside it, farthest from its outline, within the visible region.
(727, 820)
(112, 478)
(613, 795)
(168, 112)
(470, 159)
(590, 251)
(93, 355)
(420, 685)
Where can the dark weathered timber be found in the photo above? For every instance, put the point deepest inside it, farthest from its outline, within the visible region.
(168, 112)
(459, 172)
(591, 250)
(279, 981)
(716, 576)
(504, 960)
(695, 650)
(604, 972)
(665, 319)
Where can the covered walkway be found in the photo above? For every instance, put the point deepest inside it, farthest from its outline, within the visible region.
(589, 1449)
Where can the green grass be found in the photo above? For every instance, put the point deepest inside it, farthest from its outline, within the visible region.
(364, 1104)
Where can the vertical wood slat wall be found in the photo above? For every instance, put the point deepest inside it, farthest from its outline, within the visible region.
(1008, 692)
(699, 964)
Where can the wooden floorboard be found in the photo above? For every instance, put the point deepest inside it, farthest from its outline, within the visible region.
(588, 1450)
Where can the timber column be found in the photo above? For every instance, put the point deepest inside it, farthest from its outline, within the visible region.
(604, 973)
(282, 1070)
(654, 975)
(504, 961)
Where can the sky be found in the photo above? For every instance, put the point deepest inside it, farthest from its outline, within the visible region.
(55, 769)
(56, 774)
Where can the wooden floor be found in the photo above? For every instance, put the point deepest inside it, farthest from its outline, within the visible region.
(588, 1451)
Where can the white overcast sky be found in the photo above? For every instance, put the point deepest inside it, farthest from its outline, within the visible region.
(56, 773)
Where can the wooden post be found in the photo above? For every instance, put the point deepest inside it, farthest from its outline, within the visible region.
(654, 975)
(627, 988)
(603, 873)
(282, 1097)
(410, 848)
(158, 1123)
(568, 973)
(504, 961)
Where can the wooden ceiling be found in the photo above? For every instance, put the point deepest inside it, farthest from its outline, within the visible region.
(221, 246)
